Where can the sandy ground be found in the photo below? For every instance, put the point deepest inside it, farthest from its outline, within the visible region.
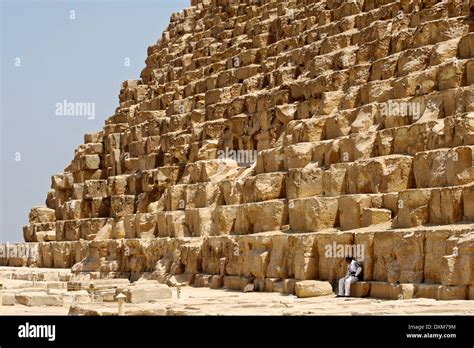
(204, 301)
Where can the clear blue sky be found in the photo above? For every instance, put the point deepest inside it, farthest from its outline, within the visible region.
(80, 60)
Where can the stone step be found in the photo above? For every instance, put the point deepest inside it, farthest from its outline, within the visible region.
(407, 291)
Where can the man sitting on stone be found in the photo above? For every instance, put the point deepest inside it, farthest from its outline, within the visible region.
(354, 271)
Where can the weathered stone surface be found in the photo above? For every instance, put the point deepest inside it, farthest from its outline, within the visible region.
(141, 293)
(243, 162)
(312, 288)
(38, 298)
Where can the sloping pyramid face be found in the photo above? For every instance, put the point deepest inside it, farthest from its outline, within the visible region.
(267, 139)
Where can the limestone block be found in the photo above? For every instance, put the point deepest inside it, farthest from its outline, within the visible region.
(271, 284)
(313, 288)
(468, 202)
(436, 246)
(216, 281)
(335, 179)
(223, 219)
(100, 207)
(459, 292)
(143, 293)
(72, 229)
(456, 267)
(199, 221)
(302, 259)
(277, 266)
(364, 246)
(62, 181)
(38, 298)
(201, 280)
(390, 291)
(236, 283)
(446, 206)
(29, 233)
(313, 214)
(289, 286)
(271, 160)
(8, 298)
(122, 205)
(62, 255)
(409, 252)
(350, 210)
(191, 257)
(263, 187)
(399, 257)
(375, 216)
(298, 155)
(450, 75)
(231, 191)
(266, 216)
(42, 214)
(308, 130)
(90, 162)
(429, 168)
(175, 224)
(96, 137)
(74, 209)
(304, 182)
(360, 289)
(285, 113)
(427, 291)
(466, 46)
(95, 188)
(357, 146)
(145, 225)
(386, 174)
(459, 166)
(413, 208)
(79, 296)
(202, 195)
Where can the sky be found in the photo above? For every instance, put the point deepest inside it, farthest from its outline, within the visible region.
(56, 51)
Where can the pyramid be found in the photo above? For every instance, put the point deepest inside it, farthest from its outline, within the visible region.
(267, 139)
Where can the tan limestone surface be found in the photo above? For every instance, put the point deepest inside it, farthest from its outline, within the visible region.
(360, 115)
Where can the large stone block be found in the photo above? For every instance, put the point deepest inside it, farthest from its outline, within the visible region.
(313, 288)
(42, 214)
(413, 208)
(313, 214)
(223, 220)
(399, 257)
(446, 205)
(38, 298)
(304, 182)
(264, 187)
(95, 188)
(260, 217)
(350, 210)
(90, 162)
(143, 293)
(385, 174)
(302, 259)
(199, 221)
(122, 205)
(468, 202)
